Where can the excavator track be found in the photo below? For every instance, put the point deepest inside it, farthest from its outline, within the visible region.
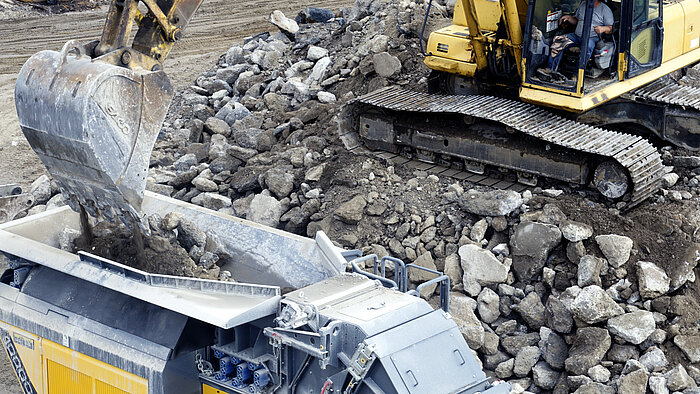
(668, 91)
(636, 155)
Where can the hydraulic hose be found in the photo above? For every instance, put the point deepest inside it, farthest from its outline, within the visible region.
(422, 30)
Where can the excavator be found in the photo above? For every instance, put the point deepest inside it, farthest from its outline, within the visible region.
(489, 105)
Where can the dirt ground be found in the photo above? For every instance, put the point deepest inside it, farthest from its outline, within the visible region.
(217, 25)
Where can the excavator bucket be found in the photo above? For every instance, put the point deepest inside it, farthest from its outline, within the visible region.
(93, 126)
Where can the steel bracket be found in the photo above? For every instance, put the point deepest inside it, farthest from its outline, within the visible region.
(13, 201)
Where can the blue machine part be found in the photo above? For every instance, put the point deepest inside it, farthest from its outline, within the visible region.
(253, 367)
(243, 372)
(237, 382)
(20, 274)
(226, 366)
(218, 354)
(261, 378)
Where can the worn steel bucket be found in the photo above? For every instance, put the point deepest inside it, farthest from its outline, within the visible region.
(93, 126)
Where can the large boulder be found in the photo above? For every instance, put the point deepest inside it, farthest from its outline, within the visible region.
(467, 322)
(526, 358)
(554, 350)
(593, 305)
(488, 305)
(532, 310)
(575, 231)
(351, 211)
(544, 376)
(616, 248)
(286, 25)
(481, 268)
(279, 181)
(530, 245)
(677, 379)
(490, 203)
(589, 271)
(214, 201)
(265, 209)
(634, 379)
(633, 327)
(653, 281)
(386, 64)
(590, 346)
(41, 190)
(690, 345)
(559, 317)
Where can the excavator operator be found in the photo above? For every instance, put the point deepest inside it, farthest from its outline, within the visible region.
(601, 23)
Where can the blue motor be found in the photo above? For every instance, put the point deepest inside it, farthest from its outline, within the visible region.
(261, 378)
(226, 365)
(237, 382)
(243, 372)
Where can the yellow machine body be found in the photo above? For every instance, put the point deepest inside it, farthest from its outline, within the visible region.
(50, 368)
(452, 50)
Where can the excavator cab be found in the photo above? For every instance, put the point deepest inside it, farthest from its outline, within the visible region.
(634, 45)
(93, 111)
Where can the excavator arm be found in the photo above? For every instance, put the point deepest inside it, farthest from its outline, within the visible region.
(159, 29)
(92, 112)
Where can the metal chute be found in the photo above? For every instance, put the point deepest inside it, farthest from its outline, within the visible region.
(93, 125)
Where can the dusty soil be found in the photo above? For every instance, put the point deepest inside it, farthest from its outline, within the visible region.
(155, 254)
(217, 25)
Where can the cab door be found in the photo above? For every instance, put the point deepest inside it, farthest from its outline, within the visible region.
(641, 37)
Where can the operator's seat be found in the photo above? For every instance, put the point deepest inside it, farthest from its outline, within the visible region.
(604, 53)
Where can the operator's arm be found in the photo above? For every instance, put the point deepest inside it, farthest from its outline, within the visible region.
(573, 19)
(608, 21)
(603, 29)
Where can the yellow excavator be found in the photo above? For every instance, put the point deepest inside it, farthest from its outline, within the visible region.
(492, 101)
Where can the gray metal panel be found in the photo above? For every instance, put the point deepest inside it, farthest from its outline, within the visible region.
(111, 308)
(360, 301)
(263, 255)
(423, 358)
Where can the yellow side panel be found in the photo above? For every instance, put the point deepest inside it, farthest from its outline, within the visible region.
(28, 348)
(488, 13)
(210, 390)
(104, 388)
(459, 18)
(673, 29)
(70, 372)
(692, 25)
(63, 380)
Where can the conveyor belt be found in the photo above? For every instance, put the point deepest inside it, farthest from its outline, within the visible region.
(634, 153)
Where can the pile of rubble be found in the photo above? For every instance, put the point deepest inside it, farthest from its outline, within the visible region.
(176, 246)
(553, 290)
